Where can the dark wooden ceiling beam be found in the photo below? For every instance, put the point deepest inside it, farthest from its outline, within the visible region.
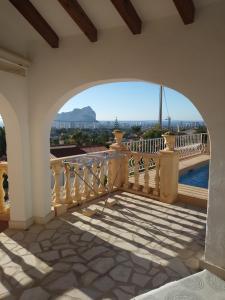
(79, 16)
(186, 10)
(129, 15)
(30, 13)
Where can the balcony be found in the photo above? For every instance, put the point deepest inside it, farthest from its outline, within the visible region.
(137, 245)
(116, 233)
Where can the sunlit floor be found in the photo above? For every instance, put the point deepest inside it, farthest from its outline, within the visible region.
(136, 246)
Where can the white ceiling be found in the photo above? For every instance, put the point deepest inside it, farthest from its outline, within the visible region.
(16, 31)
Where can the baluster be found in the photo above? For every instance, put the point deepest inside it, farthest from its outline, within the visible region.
(56, 170)
(102, 177)
(136, 185)
(2, 191)
(95, 179)
(157, 178)
(146, 176)
(126, 171)
(86, 192)
(76, 184)
(67, 193)
(109, 181)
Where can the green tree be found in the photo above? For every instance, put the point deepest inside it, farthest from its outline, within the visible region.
(136, 130)
(154, 132)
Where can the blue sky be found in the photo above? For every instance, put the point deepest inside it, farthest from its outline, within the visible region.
(133, 101)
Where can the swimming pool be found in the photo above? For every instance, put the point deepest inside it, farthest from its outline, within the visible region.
(196, 177)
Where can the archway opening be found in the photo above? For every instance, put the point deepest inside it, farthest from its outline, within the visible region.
(155, 230)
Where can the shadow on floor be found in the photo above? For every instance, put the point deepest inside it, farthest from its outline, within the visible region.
(136, 246)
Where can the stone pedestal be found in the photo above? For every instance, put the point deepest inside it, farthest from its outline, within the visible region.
(169, 170)
(118, 164)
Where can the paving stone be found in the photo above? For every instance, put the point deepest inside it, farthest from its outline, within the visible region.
(80, 268)
(45, 235)
(34, 248)
(36, 228)
(36, 293)
(88, 277)
(83, 294)
(4, 258)
(120, 258)
(54, 224)
(19, 236)
(122, 295)
(63, 283)
(128, 288)
(104, 284)
(74, 238)
(121, 273)
(11, 268)
(73, 259)
(49, 255)
(140, 280)
(140, 270)
(68, 252)
(4, 292)
(153, 271)
(159, 279)
(22, 279)
(91, 253)
(87, 237)
(178, 266)
(63, 246)
(192, 263)
(144, 263)
(101, 265)
(60, 266)
(46, 243)
(128, 264)
(30, 237)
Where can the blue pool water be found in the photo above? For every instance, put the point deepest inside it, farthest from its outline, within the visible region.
(196, 177)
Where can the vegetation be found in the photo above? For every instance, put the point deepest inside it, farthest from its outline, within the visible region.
(201, 129)
(136, 130)
(154, 132)
(84, 137)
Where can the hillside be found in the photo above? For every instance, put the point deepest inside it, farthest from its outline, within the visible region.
(85, 114)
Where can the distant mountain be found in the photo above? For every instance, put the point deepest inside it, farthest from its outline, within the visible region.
(85, 114)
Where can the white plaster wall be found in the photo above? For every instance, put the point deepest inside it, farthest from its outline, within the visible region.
(14, 110)
(190, 59)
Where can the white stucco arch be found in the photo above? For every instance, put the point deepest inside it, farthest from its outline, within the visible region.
(14, 113)
(188, 59)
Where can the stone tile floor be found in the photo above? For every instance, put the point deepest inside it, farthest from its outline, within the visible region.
(138, 245)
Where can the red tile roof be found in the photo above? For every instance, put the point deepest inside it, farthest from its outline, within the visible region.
(70, 150)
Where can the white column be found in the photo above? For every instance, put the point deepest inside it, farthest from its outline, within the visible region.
(14, 109)
(40, 171)
(215, 233)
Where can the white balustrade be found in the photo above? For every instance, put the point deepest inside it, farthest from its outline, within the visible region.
(142, 173)
(81, 178)
(186, 145)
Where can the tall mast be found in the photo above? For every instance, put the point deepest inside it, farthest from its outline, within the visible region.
(160, 106)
